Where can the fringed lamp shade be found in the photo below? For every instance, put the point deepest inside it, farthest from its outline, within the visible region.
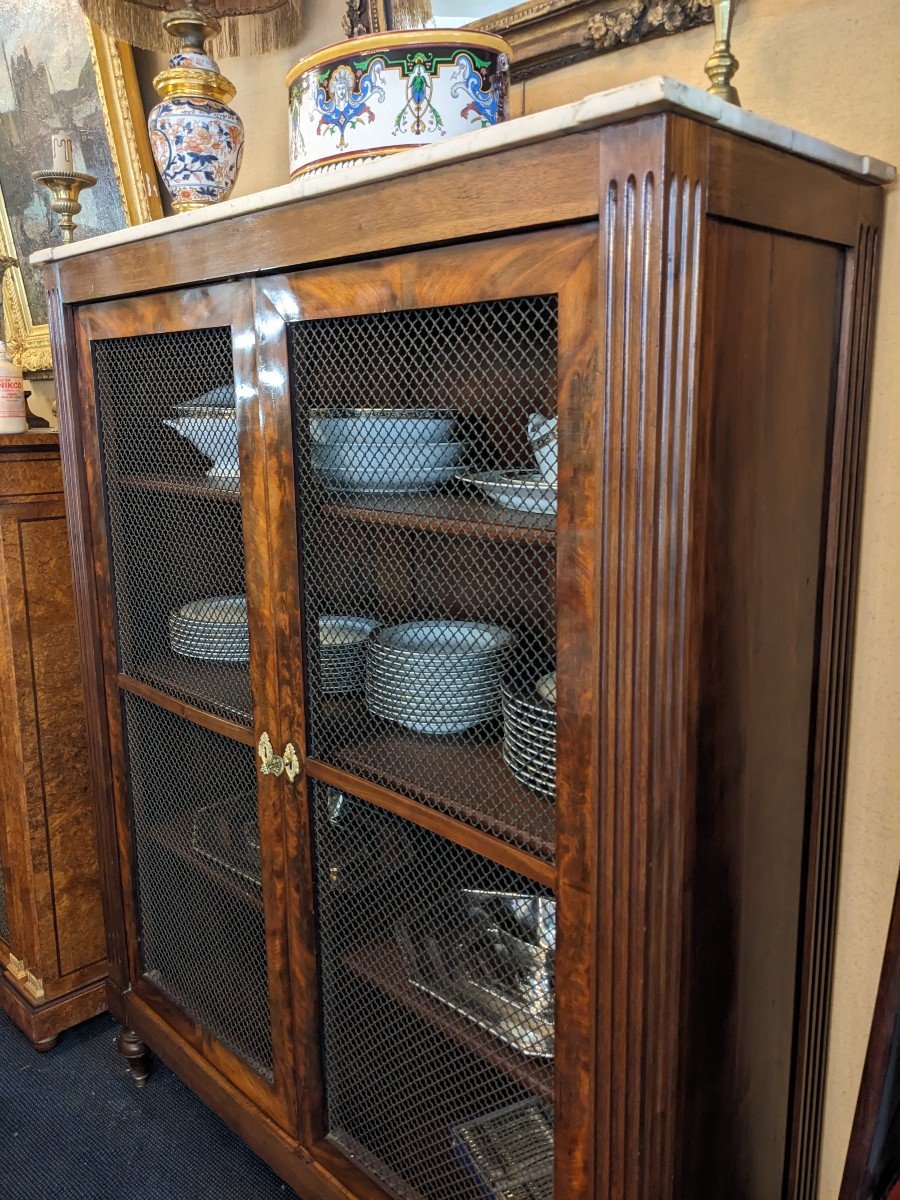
(412, 14)
(263, 25)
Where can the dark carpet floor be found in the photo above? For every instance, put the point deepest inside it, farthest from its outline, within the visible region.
(73, 1126)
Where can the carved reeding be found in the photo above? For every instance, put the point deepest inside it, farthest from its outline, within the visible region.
(653, 246)
(834, 693)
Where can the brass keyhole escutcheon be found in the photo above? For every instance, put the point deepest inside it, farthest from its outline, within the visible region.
(272, 764)
(276, 764)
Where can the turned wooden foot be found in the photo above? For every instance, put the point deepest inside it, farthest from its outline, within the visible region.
(44, 1044)
(136, 1054)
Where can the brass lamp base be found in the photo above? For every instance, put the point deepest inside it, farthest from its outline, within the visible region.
(65, 187)
(721, 64)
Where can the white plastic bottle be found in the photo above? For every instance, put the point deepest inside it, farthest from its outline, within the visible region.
(12, 395)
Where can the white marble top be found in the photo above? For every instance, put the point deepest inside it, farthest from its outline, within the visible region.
(602, 108)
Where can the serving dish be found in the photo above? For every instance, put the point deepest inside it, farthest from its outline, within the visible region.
(387, 426)
(522, 491)
(209, 422)
(372, 96)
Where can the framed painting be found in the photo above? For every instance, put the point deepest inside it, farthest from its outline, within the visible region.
(59, 72)
(544, 34)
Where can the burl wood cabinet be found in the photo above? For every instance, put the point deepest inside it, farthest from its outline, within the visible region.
(52, 943)
(410, 926)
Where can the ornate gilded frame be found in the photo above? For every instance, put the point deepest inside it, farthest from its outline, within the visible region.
(126, 131)
(546, 34)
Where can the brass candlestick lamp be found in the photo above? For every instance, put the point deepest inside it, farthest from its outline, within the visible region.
(721, 64)
(65, 188)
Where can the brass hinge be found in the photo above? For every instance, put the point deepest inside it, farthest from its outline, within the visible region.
(16, 968)
(34, 986)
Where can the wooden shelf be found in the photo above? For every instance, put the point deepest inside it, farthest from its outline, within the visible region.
(400, 760)
(173, 485)
(175, 836)
(223, 687)
(380, 964)
(459, 516)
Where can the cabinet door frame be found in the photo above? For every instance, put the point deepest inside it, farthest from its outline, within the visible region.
(562, 261)
(228, 304)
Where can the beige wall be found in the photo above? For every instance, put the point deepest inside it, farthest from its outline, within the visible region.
(827, 67)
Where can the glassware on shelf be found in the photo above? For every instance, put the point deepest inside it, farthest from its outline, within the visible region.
(489, 955)
(227, 834)
(509, 1152)
(364, 848)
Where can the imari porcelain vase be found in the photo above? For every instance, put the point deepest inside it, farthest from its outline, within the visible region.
(197, 139)
(375, 95)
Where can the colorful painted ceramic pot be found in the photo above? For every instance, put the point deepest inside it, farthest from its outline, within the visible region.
(197, 139)
(372, 96)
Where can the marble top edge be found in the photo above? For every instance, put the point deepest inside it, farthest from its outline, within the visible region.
(658, 92)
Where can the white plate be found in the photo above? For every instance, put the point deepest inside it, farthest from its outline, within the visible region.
(359, 483)
(546, 687)
(522, 491)
(445, 638)
(530, 755)
(218, 610)
(212, 655)
(398, 425)
(433, 694)
(538, 783)
(536, 707)
(337, 631)
(523, 732)
(432, 725)
(540, 768)
(384, 460)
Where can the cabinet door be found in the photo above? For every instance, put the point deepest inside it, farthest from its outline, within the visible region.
(445, 783)
(53, 923)
(178, 500)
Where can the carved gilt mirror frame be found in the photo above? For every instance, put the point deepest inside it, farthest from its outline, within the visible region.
(546, 34)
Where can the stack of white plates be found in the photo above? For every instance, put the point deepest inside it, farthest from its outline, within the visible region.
(437, 676)
(342, 652)
(214, 628)
(384, 450)
(529, 735)
(522, 491)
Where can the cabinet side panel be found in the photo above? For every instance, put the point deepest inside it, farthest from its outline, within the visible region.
(61, 748)
(769, 376)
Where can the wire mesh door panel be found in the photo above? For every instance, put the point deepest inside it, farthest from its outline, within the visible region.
(196, 838)
(168, 429)
(426, 461)
(167, 426)
(437, 1006)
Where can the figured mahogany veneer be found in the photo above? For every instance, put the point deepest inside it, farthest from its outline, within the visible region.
(54, 963)
(715, 303)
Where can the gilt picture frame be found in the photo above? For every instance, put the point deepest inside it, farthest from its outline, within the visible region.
(104, 95)
(548, 34)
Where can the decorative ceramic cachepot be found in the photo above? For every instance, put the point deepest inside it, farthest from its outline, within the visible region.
(371, 96)
(197, 139)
